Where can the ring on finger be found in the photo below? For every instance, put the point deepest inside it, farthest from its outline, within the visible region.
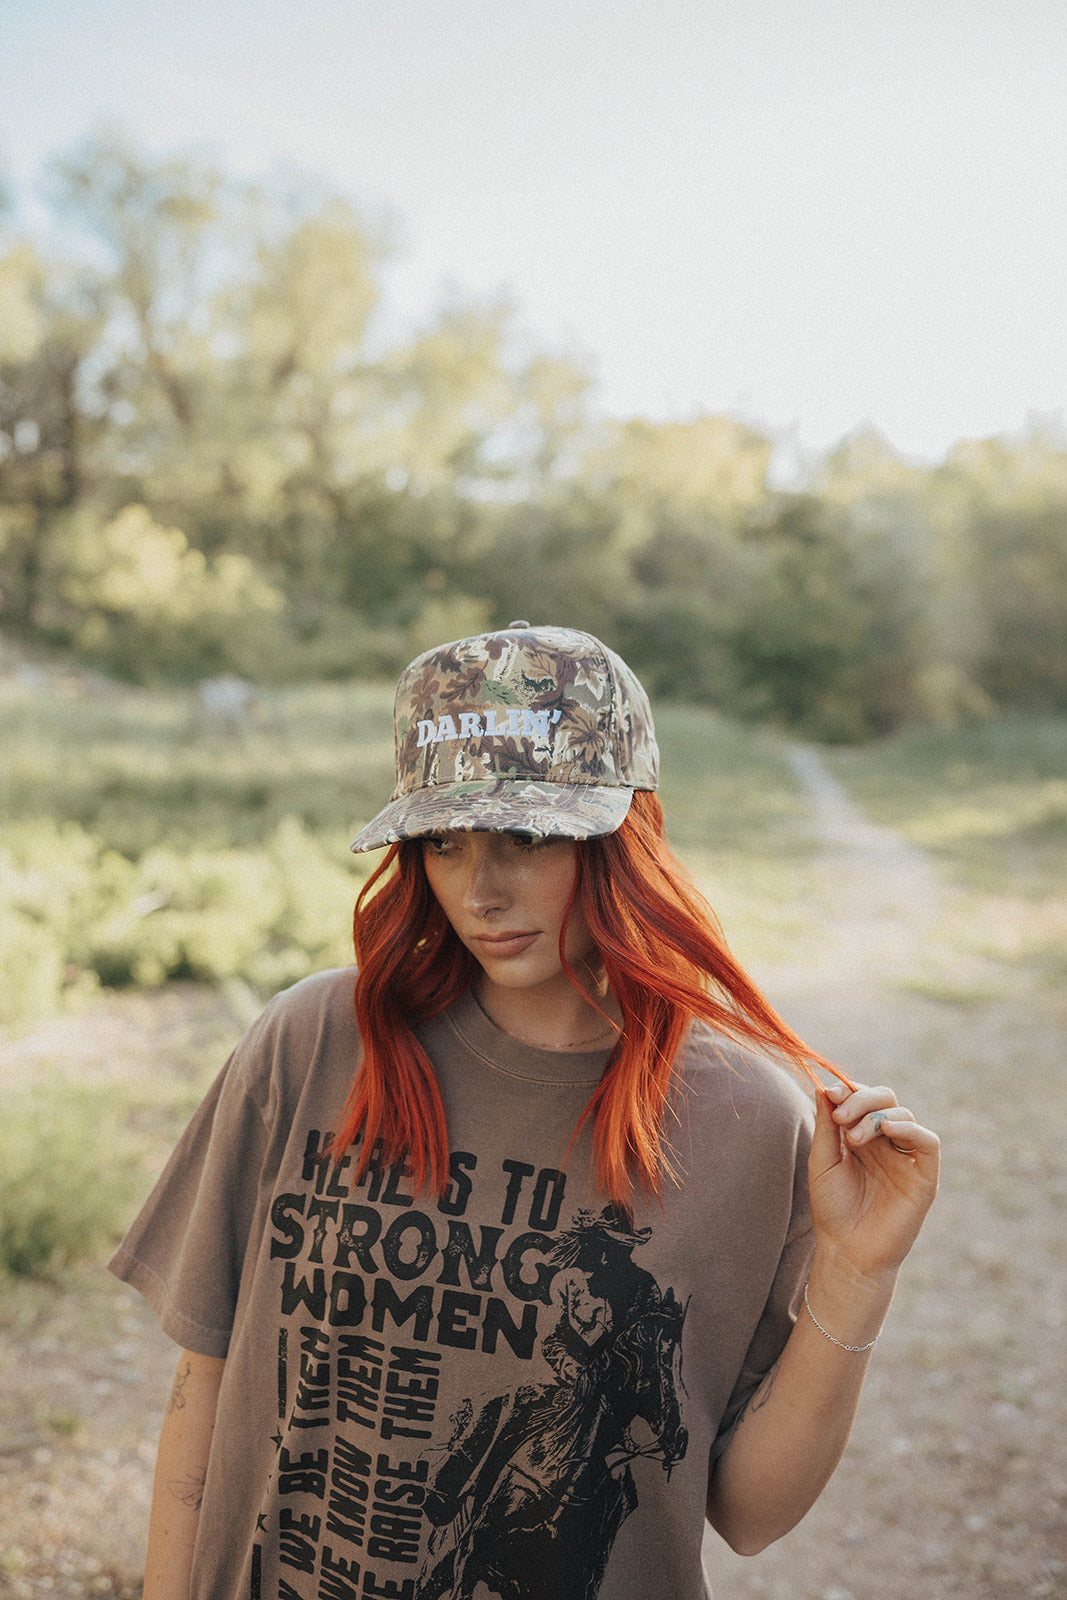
(877, 1118)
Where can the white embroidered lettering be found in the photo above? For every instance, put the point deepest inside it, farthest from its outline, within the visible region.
(521, 723)
(535, 724)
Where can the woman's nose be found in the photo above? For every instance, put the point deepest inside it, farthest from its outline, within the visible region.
(486, 889)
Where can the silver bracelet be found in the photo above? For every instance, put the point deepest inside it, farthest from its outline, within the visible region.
(855, 1348)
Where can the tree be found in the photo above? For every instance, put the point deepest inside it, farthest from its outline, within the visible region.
(154, 223)
(49, 323)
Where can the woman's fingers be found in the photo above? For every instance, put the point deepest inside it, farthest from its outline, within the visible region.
(852, 1104)
(866, 1114)
(874, 1173)
(870, 1126)
(910, 1138)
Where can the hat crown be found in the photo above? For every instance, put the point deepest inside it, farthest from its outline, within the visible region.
(549, 705)
(529, 729)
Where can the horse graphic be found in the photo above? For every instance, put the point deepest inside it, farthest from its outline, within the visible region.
(536, 1484)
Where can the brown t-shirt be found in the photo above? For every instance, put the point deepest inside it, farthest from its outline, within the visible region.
(510, 1391)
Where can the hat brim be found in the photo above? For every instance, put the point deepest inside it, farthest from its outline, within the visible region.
(502, 805)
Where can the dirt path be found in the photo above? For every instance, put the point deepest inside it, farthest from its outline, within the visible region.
(878, 903)
(884, 895)
(955, 1482)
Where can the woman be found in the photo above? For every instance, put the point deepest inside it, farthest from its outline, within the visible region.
(498, 1281)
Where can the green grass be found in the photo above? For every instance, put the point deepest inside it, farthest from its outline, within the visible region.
(728, 789)
(989, 804)
(67, 1174)
(79, 1146)
(989, 801)
(142, 841)
(138, 769)
(741, 822)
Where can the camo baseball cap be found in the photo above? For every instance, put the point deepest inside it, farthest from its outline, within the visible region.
(529, 730)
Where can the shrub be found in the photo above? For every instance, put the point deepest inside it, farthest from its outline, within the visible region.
(134, 596)
(67, 1175)
(75, 914)
(31, 968)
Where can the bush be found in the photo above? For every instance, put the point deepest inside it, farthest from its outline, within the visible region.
(135, 597)
(75, 914)
(67, 1175)
(31, 968)
(55, 880)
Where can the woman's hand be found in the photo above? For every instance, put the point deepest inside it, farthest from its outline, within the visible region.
(873, 1176)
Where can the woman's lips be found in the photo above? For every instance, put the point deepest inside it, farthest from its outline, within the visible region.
(505, 944)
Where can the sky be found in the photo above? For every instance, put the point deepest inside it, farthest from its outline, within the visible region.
(814, 214)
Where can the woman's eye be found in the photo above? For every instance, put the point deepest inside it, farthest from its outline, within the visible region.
(529, 842)
(437, 847)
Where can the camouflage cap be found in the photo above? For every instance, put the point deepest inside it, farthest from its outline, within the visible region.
(529, 730)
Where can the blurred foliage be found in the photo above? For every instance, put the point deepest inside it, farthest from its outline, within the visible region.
(68, 1170)
(989, 800)
(144, 837)
(75, 914)
(211, 462)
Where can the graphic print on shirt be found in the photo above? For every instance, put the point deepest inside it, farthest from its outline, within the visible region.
(535, 1485)
(517, 1491)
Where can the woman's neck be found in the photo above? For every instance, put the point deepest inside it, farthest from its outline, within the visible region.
(553, 1016)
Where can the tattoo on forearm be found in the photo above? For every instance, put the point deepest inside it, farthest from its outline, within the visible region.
(177, 1393)
(762, 1394)
(189, 1490)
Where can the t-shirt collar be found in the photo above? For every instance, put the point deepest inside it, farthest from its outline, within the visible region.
(518, 1060)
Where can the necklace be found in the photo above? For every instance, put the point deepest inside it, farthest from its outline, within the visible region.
(602, 1036)
(606, 1032)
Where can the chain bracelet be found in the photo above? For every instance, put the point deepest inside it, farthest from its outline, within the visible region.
(855, 1348)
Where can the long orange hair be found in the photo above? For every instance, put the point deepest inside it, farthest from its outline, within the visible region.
(666, 962)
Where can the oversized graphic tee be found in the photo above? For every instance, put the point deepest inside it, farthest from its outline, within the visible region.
(512, 1390)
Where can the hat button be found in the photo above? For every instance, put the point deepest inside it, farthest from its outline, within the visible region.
(519, 624)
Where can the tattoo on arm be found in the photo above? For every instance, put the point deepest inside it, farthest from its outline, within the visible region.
(177, 1394)
(762, 1394)
(189, 1490)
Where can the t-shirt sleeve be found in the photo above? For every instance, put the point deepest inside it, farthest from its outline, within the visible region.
(783, 1303)
(186, 1251)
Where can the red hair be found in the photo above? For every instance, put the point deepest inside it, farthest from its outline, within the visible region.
(666, 963)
